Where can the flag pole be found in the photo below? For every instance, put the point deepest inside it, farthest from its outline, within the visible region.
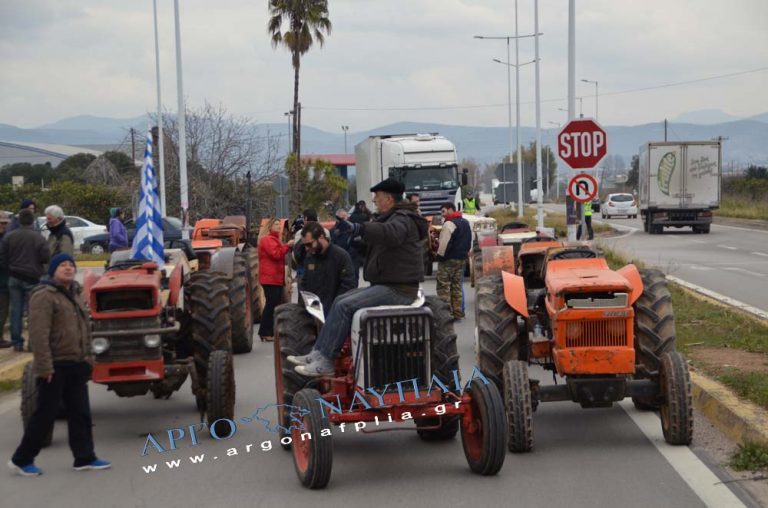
(160, 150)
(182, 132)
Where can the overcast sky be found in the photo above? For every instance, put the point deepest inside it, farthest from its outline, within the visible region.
(62, 58)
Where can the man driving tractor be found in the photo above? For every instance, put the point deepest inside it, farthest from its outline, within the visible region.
(393, 266)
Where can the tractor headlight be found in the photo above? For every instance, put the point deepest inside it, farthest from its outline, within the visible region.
(99, 345)
(152, 340)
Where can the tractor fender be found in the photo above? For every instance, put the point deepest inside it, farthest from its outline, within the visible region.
(223, 260)
(175, 282)
(514, 293)
(89, 279)
(631, 273)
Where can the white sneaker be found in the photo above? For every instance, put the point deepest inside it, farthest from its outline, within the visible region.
(313, 356)
(321, 367)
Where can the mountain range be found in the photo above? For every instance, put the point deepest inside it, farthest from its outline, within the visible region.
(746, 139)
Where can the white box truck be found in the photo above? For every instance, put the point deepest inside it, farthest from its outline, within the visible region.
(679, 184)
(424, 163)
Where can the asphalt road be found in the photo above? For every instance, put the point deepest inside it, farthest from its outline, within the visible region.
(732, 261)
(582, 458)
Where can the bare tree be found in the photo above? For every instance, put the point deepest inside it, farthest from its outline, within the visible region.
(221, 149)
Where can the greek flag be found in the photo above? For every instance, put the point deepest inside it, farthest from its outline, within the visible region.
(148, 242)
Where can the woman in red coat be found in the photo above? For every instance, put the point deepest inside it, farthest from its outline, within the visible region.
(271, 275)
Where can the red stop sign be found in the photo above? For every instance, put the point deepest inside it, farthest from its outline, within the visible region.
(582, 143)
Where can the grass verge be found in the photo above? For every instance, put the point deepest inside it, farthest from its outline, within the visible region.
(551, 220)
(700, 322)
(742, 208)
(91, 257)
(10, 385)
(750, 457)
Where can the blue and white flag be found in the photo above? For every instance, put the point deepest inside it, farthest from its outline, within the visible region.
(148, 242)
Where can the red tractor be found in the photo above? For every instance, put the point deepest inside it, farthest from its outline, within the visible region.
(386, 372)
(221, 245)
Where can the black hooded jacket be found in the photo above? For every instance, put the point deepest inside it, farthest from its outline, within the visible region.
(395, 247)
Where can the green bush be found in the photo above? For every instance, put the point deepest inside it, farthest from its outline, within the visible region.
(89, 201)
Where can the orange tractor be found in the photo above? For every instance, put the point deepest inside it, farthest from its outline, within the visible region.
(221, 246)
(610, 334)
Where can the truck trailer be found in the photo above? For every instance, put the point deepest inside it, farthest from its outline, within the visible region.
(679, 184)
(425, 163)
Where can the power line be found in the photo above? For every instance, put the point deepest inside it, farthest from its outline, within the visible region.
(482, 106)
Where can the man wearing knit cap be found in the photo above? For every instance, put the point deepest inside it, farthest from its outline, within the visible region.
(24, 253)
(26, 204)
(61, 342)
(394, 267)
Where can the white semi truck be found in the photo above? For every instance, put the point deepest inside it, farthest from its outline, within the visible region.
(679, 184)
(424, 163)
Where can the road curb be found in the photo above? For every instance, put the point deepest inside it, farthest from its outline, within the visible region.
(738, 419)
(13, 369)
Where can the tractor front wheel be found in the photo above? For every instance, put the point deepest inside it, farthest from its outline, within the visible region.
(677, 408)
(29, 395)
(220, 391)
(519, 406)
(483, 434)
(312, 453)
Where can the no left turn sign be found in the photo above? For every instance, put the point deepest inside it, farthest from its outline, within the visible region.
(582, 188)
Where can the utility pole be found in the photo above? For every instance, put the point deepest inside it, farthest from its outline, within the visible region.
(345, 128)
(665, 129)
(572, 95)
(182, 125)
(161, 150)
(539, 192)
(133, 146)
(288, 115)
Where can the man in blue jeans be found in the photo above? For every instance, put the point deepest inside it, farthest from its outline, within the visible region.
(394, 267)
(24, 253)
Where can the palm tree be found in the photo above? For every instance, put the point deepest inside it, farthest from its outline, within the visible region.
(306, 21)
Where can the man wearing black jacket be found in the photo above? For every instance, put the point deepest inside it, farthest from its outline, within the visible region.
(328, 270)
(394, 267)
(24, 253)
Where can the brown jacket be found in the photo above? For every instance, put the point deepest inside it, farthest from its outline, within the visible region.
(59, 327)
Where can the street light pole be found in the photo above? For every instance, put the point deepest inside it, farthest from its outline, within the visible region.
(288, 115)
(182, 132)
(539, 186)
(345, 128)
(161, 150)
(596, 94)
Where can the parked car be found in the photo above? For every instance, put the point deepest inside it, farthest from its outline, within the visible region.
(619, 204)
(80, 227)
(99, 244)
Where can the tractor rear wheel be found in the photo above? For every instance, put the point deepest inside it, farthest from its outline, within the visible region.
(654, 330)
(477, 265)
(519, 406)
(257, 302)
(444, 360)
(296, 332)
(312, 457)
(29, 395)
(220, 391)
(484, 439)
(207, 324)
(497, 333)
(240, 305)
(677, 408)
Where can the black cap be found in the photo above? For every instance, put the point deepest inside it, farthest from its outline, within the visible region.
(391, 186)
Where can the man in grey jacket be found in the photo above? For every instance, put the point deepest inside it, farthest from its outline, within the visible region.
(394, 267)
(24, 253)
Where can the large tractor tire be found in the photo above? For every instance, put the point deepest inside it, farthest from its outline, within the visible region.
(257, 299)
(240, 305)
(677, 407)
(485, 441)
(654, 330)
(312, 458)
(477, 265)
(519, 406)
(444, 360)
(220, 391)
(207, 324)
(497, 332)
(296, 332)
(29, 400)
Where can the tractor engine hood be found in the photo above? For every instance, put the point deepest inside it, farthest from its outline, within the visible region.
(126, 294)
(584, 276)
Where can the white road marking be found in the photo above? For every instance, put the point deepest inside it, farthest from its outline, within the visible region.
(760, 254)
(721, 298)
(742, 229)
(696, 474)
(697, 241)
(742, 270)
(729, 247)
(700, 267)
